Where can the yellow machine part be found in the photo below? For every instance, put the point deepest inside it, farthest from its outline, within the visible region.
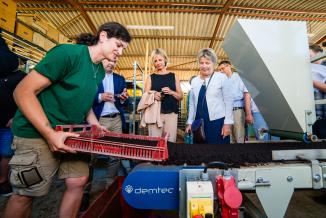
(200, 206)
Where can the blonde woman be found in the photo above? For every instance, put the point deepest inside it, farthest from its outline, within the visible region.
(168, 91)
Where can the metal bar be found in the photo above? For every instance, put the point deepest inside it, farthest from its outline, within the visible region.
(318, 57)
(225, 8)
(134, 104)
(321, 40)
(322, 101)
(141, 70)
(82, 11)
(287, 134)
(312, 154)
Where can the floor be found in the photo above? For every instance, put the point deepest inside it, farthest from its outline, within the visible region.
(47, 206)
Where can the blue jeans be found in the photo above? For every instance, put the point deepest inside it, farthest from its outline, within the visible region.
(6, 138)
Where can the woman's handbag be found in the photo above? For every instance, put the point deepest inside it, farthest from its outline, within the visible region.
(198, 131)
(197, 127)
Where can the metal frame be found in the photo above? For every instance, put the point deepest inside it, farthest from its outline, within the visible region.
(273, 183)
(136, 66)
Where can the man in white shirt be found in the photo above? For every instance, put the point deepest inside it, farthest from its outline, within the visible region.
(319, 83)
(111, 98)
(319, 80)
(241, 103)
(108, 106)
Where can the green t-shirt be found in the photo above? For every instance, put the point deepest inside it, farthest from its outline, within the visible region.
(69, 98)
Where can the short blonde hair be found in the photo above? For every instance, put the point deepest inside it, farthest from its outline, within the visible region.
(207, 53)
(161, 52)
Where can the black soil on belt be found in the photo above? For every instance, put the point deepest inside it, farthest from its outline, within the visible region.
(129, 141)
(196, 154)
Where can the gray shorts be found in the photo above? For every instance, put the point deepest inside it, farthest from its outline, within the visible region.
(33, 166)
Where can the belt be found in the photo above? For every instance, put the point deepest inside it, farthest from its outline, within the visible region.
(238, 108)
(113, 115)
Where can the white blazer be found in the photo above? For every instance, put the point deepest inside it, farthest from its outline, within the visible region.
(219, 97)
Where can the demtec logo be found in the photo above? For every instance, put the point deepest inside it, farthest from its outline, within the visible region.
(129, 189)
(143, 191)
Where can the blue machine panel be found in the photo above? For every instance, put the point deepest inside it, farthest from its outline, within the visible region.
(152, 187)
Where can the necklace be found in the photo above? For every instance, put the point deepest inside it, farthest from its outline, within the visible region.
(95, 71)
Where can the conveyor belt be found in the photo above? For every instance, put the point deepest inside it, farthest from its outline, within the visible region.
(237, 154)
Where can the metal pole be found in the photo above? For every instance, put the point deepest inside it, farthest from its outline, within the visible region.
(293, 135)
(134, 103)
(146, 59)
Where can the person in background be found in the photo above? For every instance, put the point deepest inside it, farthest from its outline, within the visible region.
(168, 91)
(241, 103)
(319, 84)
(110, 99)
(259, 124)
(319, 79)
(188, 96)
(108, 106)
(211, 99)
(10, 76)
(59, 91)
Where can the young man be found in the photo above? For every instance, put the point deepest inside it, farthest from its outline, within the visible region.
(241, 103)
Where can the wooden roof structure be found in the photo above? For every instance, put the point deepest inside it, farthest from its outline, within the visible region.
(196, 24)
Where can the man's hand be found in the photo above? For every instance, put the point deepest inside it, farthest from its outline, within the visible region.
(226, 130)
(56, 141)
(124, 95)
(249, 119)
(107, 96)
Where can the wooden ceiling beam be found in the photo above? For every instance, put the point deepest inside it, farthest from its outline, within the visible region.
(44, 9)
(219, 20)
(175, 37)
(149, 37)
(280, 17)
(173, 67)
(142, 3)
(323, 39)
(280, 10)
(69, 22)
(83, 13)
(41, 1)
(175, 10)
(170, 4)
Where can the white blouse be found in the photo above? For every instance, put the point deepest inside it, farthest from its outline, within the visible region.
(219, 97)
